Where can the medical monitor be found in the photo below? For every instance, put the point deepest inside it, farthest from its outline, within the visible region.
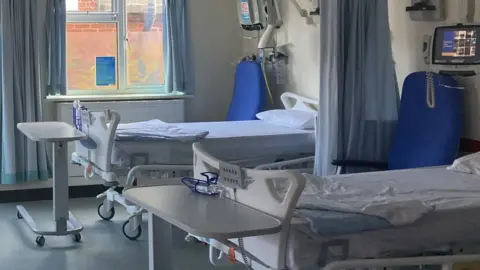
(456, 49)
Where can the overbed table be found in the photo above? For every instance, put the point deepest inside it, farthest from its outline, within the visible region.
(200, 215)
(58, 133)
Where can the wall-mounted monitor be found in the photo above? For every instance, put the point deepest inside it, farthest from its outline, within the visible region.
(456, 48)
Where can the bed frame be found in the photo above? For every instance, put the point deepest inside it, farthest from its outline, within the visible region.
(95, 156)
(268, 252)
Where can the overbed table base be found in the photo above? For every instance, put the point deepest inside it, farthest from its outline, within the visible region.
(64, 222)
(160, 241)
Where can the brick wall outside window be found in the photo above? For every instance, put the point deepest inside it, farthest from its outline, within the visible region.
(85, 41)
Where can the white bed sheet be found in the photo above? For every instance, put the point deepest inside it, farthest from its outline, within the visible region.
(230, 141)
(455, 220)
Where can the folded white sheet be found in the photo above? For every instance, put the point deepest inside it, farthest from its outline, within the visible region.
(374, 198)
(156, 129)
(467, 164)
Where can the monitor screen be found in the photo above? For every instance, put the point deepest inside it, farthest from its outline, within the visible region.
(456, 45)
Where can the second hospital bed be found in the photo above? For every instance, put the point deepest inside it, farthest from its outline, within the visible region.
(136, 160)
(403, 214)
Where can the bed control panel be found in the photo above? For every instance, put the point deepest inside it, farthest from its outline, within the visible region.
(231, 176)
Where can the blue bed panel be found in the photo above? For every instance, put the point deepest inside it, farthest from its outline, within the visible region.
(249, 93)
(426, 136)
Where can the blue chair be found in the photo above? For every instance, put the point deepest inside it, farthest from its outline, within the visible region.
(424, 136)
(249, 93)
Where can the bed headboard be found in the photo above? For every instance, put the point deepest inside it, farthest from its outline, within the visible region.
(293, 101)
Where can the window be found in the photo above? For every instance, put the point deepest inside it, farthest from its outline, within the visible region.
(114, 46)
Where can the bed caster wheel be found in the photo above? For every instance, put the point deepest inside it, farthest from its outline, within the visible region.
(19, 216)
(105, 216)
(40, 241)
(132, 235)
(77, 237)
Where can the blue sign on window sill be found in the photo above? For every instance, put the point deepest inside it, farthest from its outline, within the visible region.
(105, 71)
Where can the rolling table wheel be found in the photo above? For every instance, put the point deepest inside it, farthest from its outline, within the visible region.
(77, 237)
(129, 234)
(40, 241)
(19, 216)
(105, 216)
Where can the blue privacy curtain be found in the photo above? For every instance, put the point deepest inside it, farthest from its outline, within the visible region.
(358, 91)
(175, 45)
(21, 99)
(56, 44)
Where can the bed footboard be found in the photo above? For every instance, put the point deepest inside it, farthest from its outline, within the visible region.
(275, 192)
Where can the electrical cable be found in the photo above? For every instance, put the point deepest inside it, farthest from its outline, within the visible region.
(430, 89)
(241, 244)
(264, 71)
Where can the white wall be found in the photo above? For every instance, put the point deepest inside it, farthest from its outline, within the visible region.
(302, 44)
(216, 46)
(407, 50)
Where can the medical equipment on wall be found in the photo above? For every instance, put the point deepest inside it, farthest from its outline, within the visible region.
(260, 15)
(251, 15)
(276, 63)
(452, 50)
(427, 10)
(265, 15)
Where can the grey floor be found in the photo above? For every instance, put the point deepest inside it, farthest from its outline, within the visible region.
(103, 245)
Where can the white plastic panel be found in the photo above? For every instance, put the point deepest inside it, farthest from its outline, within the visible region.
(231, 175)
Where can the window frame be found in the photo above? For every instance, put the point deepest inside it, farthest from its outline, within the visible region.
(118, 15)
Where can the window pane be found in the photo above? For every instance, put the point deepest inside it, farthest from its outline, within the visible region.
(86, 42)
(145, 46)
(89, 5)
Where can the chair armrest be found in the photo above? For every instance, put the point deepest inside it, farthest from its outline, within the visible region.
(361, 164)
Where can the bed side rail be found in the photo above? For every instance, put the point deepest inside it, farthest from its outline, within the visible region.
(301, 165)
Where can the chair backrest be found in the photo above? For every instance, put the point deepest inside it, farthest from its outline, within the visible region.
(427, 136)
(249, 93)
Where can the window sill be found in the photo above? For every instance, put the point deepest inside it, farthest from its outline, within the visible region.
(120, 97)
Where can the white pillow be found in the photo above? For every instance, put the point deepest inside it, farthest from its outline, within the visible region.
(289, 118)
(468, 164)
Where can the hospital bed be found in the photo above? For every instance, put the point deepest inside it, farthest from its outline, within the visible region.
(428, 211)
(139, 161)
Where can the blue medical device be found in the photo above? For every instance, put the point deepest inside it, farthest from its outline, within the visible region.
(205, 186)
(249, 93)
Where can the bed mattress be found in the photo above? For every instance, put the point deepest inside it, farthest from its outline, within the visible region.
(230, 141)
(455, 221)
